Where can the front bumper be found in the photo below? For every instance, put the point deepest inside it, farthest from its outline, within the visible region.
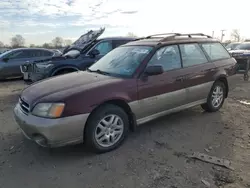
(51, 132)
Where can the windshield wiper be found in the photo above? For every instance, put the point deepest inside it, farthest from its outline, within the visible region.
(98, 71)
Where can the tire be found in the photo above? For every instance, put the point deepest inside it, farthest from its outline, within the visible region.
(95, 129)
(213, 107)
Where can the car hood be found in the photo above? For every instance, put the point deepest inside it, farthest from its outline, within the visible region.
(85, 40)
(58, 84)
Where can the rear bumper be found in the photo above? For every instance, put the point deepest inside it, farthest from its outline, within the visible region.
(51, 132)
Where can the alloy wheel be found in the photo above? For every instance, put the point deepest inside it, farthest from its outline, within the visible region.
(217, 96)
(109, 130)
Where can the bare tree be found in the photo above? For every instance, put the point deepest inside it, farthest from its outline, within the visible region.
(130, 34)
(46, 45)
(235, 34)
(67, 42)
(17, 41)
(1, 44)
(57, 42)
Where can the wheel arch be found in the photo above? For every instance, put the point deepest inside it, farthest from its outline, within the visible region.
(223, 79)
(123, 105)
(69, 67)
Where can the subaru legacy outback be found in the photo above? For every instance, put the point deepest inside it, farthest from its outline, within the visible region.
(132, 84)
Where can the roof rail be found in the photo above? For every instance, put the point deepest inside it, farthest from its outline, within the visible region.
(189, 35)
(170, 36)
(157, 35)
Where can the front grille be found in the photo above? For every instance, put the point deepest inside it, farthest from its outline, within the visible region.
(24, 106)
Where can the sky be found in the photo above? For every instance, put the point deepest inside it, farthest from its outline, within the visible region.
(39, 21)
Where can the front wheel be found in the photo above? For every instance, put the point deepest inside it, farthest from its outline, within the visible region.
(215, 98)
(106, 129)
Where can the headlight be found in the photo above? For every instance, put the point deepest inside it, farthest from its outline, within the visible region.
(43, 65)
(49, 110)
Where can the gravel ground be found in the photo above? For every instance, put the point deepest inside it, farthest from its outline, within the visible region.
(156, 155)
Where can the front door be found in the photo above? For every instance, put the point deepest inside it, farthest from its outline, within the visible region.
(162, 92)
(103, 47)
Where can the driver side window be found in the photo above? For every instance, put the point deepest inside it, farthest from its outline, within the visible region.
(104, 47)
(14, 55)
(168, 57)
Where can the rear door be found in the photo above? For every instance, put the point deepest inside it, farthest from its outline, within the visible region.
(162, 92)
(199, 71)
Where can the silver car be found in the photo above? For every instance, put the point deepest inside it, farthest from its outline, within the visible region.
(11, 60)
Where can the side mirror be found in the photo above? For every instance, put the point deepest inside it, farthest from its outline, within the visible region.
(154, 70)
(94, 52)
(6, 59)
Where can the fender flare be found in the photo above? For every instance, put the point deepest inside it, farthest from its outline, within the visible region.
(63, 67)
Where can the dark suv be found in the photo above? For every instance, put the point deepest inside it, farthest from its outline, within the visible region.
(134, 83)
(80, 55)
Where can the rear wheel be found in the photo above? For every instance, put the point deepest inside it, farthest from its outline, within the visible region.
(215, 98)
(106, 129)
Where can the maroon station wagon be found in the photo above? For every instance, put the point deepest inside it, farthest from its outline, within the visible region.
(137, 82)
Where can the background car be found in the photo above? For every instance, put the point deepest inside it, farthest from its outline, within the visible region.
(11, 60)
(80, 55)
(232, 46)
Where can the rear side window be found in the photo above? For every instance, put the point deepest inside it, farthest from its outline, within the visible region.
(215, 51)
(45, 53)
(192, 55)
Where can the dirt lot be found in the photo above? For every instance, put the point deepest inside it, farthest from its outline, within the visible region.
(157, 155)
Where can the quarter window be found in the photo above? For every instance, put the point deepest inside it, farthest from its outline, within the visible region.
(192, 55)
(104, 47)
(168, 57)
(215, 51)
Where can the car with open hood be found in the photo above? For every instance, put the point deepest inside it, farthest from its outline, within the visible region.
(81, 54)
(134, 83)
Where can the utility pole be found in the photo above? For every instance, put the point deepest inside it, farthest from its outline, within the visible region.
(213, 34)
(222, 34)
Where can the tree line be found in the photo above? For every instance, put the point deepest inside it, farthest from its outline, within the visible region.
(18, 41)
(58, 42)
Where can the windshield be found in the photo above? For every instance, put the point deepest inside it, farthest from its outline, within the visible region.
(232, 46)
(122, 61)
(243, 46)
